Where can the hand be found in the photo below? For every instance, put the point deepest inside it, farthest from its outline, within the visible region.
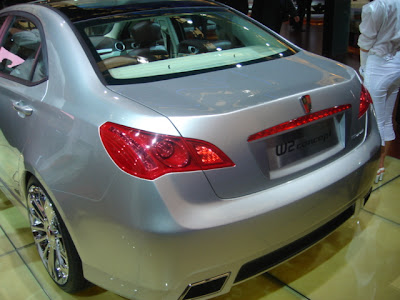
(363, 61)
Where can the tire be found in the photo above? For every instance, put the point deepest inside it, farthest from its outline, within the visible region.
(53, 242)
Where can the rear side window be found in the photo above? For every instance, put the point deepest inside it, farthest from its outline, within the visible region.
(21, 51)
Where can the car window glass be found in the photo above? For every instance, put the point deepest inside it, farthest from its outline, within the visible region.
(21, 54)
(175, 43)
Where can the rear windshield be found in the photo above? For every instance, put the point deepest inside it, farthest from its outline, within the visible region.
(177, 43)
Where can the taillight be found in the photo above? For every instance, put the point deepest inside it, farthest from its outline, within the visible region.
(298, 122)
(365, 101)
(150, 155)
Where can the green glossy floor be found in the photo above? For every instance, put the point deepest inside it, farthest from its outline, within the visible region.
(361, 260)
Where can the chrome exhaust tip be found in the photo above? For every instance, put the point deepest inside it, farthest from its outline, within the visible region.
(205, 287)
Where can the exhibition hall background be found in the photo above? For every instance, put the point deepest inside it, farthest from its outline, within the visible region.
(359, 261)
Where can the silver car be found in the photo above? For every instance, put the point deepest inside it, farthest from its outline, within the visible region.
(172, 149)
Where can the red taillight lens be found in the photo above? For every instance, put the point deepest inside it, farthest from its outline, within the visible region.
(150, 155)
(208, 155)
(298, 122)
(365, 101)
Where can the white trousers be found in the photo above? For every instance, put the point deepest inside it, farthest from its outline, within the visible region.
(382, 80)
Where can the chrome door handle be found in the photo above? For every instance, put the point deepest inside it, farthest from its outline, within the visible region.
(22, 109)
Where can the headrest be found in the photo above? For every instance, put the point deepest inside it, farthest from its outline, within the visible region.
(28, 39)
(146, 33)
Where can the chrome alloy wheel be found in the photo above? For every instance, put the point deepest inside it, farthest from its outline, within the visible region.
(47, 234)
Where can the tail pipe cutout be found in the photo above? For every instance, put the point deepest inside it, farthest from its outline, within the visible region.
(205, 287)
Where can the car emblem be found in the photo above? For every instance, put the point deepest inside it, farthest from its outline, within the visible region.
(306, 103)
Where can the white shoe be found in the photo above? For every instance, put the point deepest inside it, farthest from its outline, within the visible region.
(379, 175)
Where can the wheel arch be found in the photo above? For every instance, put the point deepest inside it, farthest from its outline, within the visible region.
(66, 269)
(26, 177)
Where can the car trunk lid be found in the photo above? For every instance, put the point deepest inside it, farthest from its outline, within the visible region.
(226, 107)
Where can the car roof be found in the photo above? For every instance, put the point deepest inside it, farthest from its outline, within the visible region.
(81, 10)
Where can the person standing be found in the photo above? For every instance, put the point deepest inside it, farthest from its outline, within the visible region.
(379, 44)
(301, 12)
(273, 12)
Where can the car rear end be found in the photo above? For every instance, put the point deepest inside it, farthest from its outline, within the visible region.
(300, 141)
(268, 149)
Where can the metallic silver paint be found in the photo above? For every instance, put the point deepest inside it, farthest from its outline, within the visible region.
(154, 229)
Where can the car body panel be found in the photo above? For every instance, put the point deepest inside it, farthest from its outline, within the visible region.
(327, 82)
(150, 239)
(12, 144)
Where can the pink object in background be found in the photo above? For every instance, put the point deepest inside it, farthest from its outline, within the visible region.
(15, 60)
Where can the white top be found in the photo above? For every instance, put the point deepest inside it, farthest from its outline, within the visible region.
(380, 28)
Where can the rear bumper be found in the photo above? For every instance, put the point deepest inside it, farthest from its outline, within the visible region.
(154, 248)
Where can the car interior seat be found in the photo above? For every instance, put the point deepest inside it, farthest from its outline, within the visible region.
(148, 41)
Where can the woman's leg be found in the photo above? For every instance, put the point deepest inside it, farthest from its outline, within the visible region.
(382, 79)
(374, 81)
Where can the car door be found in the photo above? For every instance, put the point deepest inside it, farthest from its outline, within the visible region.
(23, 82)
